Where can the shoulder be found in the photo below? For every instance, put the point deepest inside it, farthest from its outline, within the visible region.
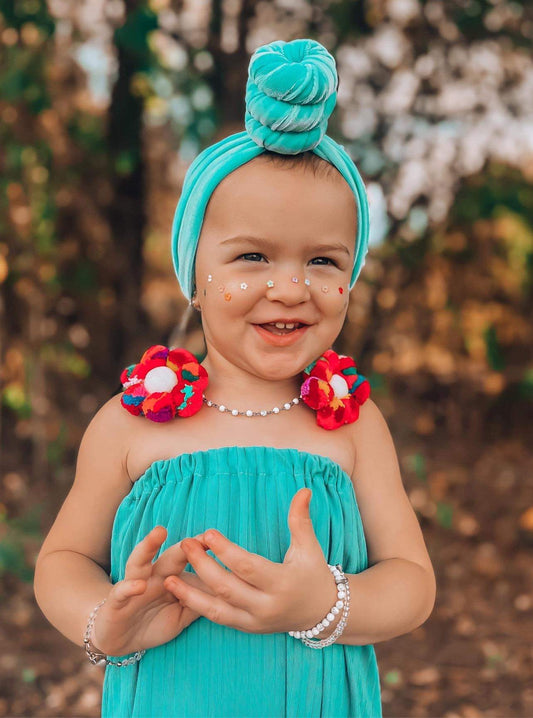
(109, 431)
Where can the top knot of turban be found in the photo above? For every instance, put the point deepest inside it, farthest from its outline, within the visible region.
(290, 94)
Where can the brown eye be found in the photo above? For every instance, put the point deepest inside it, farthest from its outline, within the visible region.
(250, 254)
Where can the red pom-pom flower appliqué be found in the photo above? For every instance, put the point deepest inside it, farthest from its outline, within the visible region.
(166, 383)
(334, 389)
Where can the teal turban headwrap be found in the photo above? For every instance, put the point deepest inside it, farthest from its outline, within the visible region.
(290, 93)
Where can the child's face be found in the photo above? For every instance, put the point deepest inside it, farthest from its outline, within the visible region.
(296, 214)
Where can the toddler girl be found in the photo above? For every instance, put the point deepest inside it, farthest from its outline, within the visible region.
(237, 535)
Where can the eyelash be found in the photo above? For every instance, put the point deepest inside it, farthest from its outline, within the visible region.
(258, 254)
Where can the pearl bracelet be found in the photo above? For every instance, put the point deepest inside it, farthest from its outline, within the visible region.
(343, 602)
(100, 659)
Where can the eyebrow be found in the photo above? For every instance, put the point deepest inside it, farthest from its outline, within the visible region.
(267, 243)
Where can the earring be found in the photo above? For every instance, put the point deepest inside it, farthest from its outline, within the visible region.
(194, 304)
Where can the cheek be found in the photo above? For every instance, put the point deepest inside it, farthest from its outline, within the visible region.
(233, 296)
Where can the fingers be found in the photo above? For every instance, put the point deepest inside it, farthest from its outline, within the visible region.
(222, 583)
(212, 607)
(173, 560)
(255, 570)
(124, 590)
(139, 563)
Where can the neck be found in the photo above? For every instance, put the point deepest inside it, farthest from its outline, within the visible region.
(238, 389)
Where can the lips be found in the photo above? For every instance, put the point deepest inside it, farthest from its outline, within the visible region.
(282, 339)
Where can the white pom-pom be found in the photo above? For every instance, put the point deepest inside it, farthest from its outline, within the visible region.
(162, 378)
(339, 385)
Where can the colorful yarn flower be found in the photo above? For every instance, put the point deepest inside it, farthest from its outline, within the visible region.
(334, 389)
(164, 384)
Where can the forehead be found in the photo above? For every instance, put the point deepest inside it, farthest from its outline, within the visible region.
(284, 201)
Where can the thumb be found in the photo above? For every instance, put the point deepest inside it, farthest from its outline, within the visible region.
(300, 525)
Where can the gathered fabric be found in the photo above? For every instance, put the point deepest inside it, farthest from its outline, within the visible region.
(214, 671)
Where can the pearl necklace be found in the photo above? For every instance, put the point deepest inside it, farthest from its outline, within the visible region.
(249, 412)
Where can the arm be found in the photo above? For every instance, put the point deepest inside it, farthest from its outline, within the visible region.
(396, 594)
(67, 587)
(71, 571)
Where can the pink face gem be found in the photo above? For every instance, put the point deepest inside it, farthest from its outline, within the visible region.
(294, 279)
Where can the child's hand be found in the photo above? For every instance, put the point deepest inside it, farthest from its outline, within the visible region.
(140, 612)
(257, 595)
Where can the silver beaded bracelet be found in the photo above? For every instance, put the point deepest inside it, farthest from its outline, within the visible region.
(343, 602)
(100, 659)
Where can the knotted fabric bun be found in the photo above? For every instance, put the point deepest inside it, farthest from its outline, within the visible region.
(290, 94)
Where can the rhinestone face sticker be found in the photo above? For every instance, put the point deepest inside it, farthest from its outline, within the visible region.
(227, 296)
(341, 290)
(270, 283)
(244, 285)
(209, 277)
(294, 279)
(325, 289)
(221, 288)
(306, 281)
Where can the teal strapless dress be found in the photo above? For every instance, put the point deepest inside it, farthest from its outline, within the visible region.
(211, 670)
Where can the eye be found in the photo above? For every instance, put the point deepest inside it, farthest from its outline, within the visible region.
(328, 259)
(250, 254)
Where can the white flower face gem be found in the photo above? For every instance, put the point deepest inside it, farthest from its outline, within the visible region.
(294, 279)
(209, 277)
(270, 283)
(244, 285)
(306, 281)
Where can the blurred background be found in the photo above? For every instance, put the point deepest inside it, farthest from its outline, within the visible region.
(103, 106)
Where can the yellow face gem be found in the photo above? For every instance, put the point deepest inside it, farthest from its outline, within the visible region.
(227, 296)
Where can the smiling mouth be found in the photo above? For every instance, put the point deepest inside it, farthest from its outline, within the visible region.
(271, 327)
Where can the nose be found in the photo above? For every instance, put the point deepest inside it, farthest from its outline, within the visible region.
(289, 288)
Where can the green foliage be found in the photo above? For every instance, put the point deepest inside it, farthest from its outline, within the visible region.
(22, 76)
(15, 534)
(494, 355)
(444, 514)
(417, 463)
(485, 194)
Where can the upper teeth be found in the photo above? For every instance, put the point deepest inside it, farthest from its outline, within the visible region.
(281, 325)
